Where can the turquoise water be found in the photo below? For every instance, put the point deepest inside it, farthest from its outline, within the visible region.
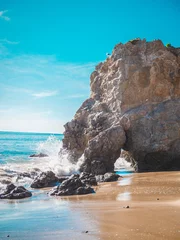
(124, 172)
(43, 217)
(40, 217)
(16, 146)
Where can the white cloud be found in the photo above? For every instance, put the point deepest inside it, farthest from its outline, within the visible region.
(25, 79)
(6, 41)
(2, 15)
(44, 94)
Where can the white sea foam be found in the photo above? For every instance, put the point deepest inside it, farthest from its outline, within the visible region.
(122, 163)
(58, 161)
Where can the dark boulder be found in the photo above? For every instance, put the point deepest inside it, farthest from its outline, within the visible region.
(84, 190)
(98, 167)
(39, 155)
(107, 177)
(5, 181)
(100, 178)
(13, 192)
(88, 179)
(44, 179)
(25, 174)
(72, 186)
(110, 177)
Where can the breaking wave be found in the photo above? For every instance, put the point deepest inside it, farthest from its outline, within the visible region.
(122, 163)
(58, 160)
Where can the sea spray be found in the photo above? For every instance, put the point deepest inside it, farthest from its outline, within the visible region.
(51, 146)
(58, 161)
(122, 163)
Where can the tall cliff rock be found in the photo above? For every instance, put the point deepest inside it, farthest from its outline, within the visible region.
(135, 106)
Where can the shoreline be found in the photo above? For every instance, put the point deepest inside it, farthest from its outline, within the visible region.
(154, 207)
(102, 215)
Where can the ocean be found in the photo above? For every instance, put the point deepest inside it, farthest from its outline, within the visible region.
(16, 148)
(41, 216)
(102, 215)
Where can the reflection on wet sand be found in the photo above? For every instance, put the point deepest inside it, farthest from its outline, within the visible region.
(44, 218)
(126, 196)
(154, 207)
(153, 213)
(125, 181)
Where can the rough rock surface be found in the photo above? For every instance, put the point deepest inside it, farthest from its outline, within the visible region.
(13, 192)
(135, 106)
(107, 177)
(88, 179)
(61, 179)
(72, 186)
(44, 179)
(39, 155)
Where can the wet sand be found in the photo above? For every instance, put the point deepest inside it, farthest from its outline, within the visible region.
(102, 215)
(153, 213)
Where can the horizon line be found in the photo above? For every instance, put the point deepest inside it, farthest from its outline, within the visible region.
(30, 132)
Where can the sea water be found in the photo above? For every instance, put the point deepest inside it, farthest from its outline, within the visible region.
(16, 148)
(41, 216)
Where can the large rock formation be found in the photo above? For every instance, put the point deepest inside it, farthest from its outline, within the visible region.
(135, 106)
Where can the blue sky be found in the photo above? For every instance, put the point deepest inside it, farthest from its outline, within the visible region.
(48, 48)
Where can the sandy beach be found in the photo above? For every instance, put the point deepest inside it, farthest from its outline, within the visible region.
(153, 213)
(154, 207)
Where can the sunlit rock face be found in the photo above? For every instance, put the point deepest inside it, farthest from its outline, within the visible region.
(135, 106)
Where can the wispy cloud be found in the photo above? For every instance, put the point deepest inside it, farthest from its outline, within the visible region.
(6, 41)
(26, 91)
(44, 94)
(2, 15)
(47, 71)
(26, 79)
(75, 96)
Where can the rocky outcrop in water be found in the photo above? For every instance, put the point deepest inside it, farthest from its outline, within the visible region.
(40, 155)
(13, 192)
(107, 177)
(135, 106)
(72, 186)
(88, 179)
(44, 179)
